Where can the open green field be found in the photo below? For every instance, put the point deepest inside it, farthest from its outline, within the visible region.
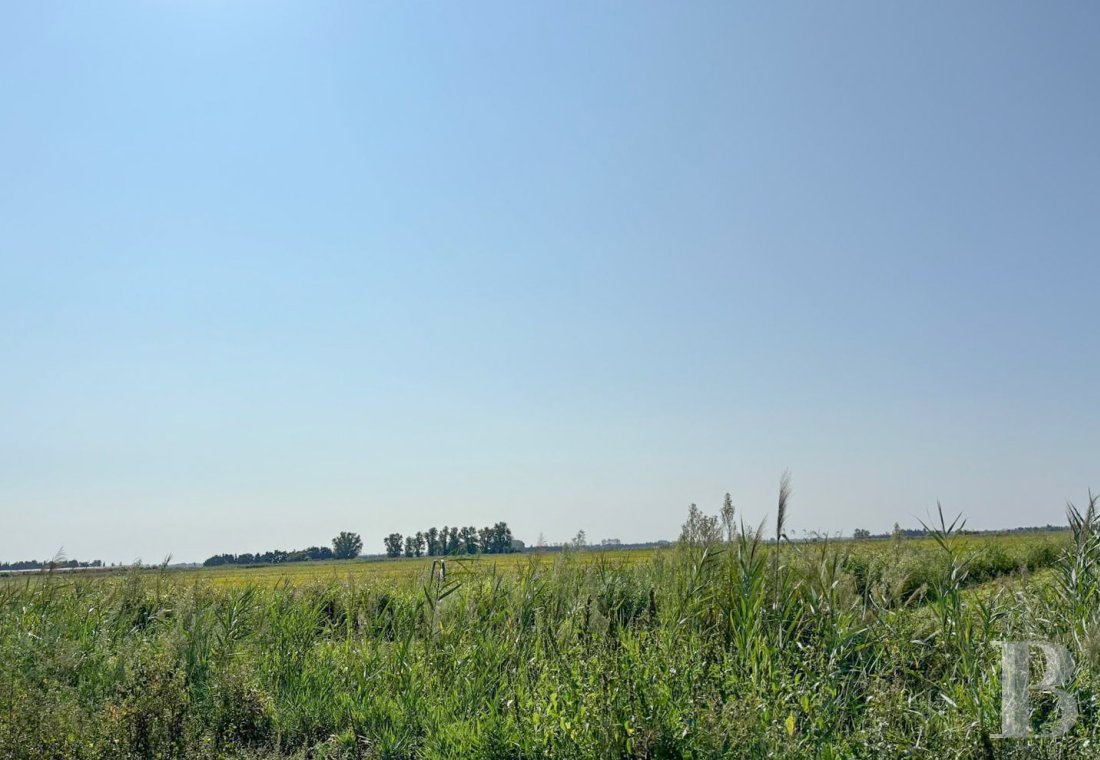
(989, 555)
(710, 649)
(387, 569)
(1011, 551)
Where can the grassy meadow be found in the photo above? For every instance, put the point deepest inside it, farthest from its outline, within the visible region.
(721, 647)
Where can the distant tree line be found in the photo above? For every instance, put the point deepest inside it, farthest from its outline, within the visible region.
(273, 557)
(345, 546)
(1034, 529)
(900, 532)
(33, 564)
(446, 541)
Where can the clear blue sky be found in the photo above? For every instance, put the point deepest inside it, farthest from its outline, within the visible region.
(270, 270)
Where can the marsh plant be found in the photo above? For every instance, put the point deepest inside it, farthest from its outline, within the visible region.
(737, 643)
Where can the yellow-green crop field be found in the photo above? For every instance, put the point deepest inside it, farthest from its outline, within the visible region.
(382, 570)
(1012, 551)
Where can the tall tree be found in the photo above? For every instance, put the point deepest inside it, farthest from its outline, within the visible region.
(410, 546)
(433, 541)
(468, 536)
(347, 545)
(727, 517)
(419, 544)
(503, 536)
(393, 545)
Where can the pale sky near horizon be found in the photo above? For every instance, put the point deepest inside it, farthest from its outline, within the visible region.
(273, 270)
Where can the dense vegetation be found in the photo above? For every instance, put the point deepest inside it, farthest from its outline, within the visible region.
(446, 541)
(346, 545)
(725, 646)
(273, 557)
(57, 562)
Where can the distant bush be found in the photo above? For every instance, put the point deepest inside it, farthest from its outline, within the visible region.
(273, 557)
(34, 564)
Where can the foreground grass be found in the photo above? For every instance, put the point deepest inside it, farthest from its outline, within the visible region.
(735, 649)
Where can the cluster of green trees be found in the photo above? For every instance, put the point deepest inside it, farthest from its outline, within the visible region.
(347, 545)
(33, 564)
(436, 542)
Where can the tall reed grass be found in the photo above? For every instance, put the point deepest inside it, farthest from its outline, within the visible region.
(730, 646)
